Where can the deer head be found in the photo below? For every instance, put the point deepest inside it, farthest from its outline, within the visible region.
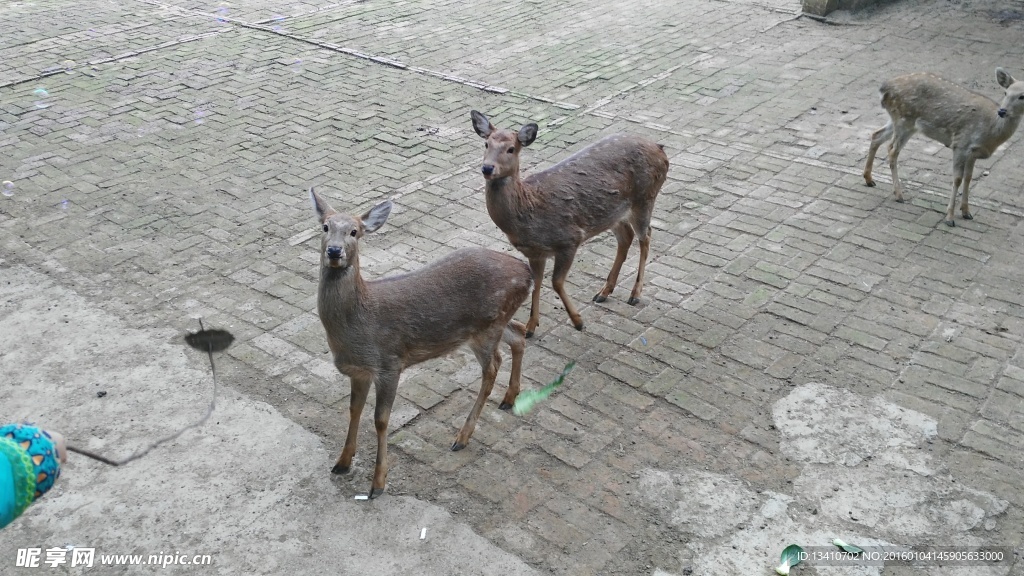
(339, 247)
(501, 147)
(1013, 100)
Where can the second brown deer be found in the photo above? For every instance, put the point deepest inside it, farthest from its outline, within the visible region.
(610, 185)
(971, 124)
(377, 329)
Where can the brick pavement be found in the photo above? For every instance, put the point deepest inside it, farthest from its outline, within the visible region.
(185, 135)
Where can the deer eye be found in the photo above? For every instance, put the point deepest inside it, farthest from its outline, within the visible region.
(512, 150)
(1021, 97)
(353, 234)
(485, 145)
(325, 227)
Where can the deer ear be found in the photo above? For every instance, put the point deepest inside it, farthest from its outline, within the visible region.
(527, 134)
(376, 217)
(323, 209)
(1004, 78)
(481, 124)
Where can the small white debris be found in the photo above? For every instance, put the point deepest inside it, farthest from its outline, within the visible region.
(423, 534)
(361, 497)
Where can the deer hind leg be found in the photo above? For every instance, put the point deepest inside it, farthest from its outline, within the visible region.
(563, 261)
(537, 267)
(387, 387)
(877, 139)
(490, 360)
(903, 131)
(360, 389)
(965, 209)
(514, 336)
(959, 169)
(624, 235)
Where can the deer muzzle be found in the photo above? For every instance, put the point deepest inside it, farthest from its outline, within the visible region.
(335, 254)
(1002, 112)
(488, 170)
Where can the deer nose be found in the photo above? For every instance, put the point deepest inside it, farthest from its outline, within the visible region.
(1002, 112)
(487, 169)
(334, 252)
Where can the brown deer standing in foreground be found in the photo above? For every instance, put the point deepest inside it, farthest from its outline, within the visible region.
(971, 124)
(610, 185)
(376, 329)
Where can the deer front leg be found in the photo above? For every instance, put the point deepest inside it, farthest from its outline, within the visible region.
(624, 235)
(514, 337)
(958, 178)
(965, 209)
(360, 389)
(877, 139)
(490, 361)
(537, 267)
(563, 261)
(387, 386)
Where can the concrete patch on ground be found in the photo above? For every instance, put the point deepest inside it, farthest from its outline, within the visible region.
(824, 425)
(866, 477)
(869, 464)
(250, 487)
(738, 531)
(908, 507)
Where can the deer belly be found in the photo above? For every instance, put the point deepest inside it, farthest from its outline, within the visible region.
(444, 341)
(936, 132)
(531, 251)
(357, 371)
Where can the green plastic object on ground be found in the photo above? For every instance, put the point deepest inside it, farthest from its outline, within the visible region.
(526, 400)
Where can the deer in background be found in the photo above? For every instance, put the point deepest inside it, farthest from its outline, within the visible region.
(610, 185)
(378, 328)
(971, 124)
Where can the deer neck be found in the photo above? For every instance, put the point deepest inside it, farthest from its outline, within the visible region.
(508, 198)
(342, 291)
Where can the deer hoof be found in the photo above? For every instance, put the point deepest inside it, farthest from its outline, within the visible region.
(633, 301)
(950, 223)
(870, 183)
(456, 446)
(374, 492)
(900, 200)
(967, 216)
(504, 406)
(529, 334)
(339, 469)
(600, 298)
(578, 326)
